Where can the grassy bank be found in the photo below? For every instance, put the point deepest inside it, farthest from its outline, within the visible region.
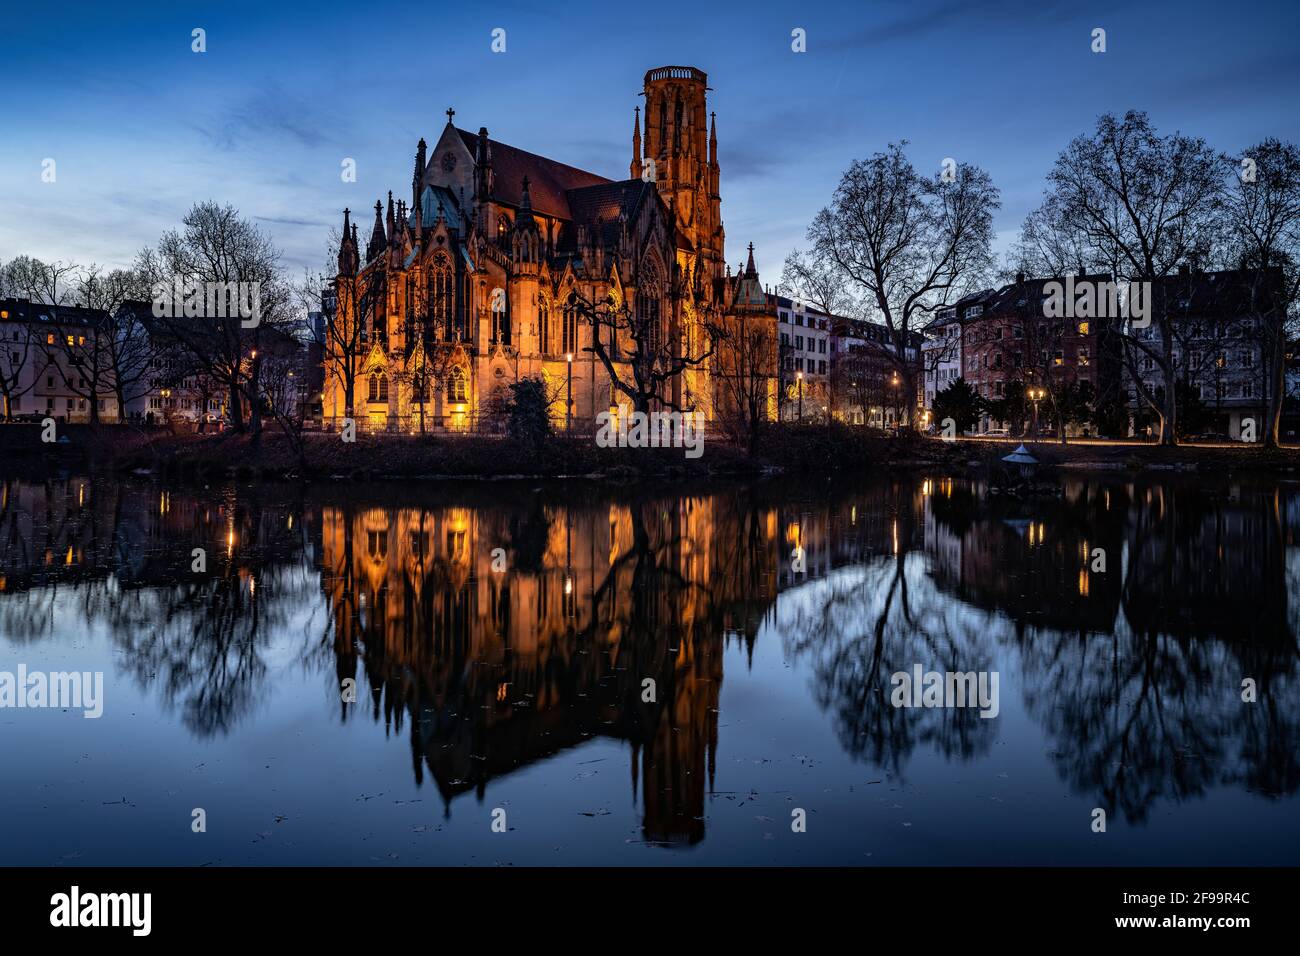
(786, 448)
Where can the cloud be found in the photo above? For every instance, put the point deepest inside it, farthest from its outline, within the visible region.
(918, 22)
(285, 221)
(272, 114)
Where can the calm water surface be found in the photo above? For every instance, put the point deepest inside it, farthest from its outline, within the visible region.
(525, 689)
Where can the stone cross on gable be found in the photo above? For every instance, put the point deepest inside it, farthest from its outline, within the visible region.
(450, 113)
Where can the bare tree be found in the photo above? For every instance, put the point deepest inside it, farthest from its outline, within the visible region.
(811, 279)
(1262, 216)
(909, 243)
(636, 345)
(745, 372)
(347, 341)
(130, 346)
(14, 354)
(50, 283)
(1140, 204)
(218, 248)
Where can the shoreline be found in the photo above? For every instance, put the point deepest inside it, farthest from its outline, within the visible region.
(785, 450)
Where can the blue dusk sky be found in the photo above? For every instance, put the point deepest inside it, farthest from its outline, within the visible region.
(141, 127)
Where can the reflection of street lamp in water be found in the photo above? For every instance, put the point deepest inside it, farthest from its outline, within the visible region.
(800, 377)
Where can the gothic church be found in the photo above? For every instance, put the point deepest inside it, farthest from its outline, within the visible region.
(471, 286)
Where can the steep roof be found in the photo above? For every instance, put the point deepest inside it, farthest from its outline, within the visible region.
(607, 200)
(549, 181)
(432, 199)
(26, 311)
(1227, 294)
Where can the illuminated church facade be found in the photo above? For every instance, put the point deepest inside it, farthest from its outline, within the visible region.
(473, 284)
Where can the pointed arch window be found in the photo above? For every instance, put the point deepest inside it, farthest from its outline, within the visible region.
(378, 297)
(441, 295)
(377, 389)
(569, 327)
(420, 383)
(543, 327)
(456, 390)
(612, 306)
(648, 317)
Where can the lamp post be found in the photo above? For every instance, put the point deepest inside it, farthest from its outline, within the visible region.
(1036, 395)
(800, 378)
(893, 384)
(568, 397)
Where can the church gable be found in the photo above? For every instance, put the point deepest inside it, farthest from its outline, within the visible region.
(451, 165)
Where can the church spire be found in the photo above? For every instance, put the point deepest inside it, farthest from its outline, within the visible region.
(526, 221)
(635, 168)
(390, 223)
(483, 175)
(420, 164)
(377, 241)
(713, 140)
(348, 247)
(750, 271)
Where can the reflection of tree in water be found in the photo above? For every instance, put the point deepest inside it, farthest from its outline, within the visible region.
(202, 637)
(1135, 674)
(867, 622)
(1141, 719)
(119, 555)
(1153, 710)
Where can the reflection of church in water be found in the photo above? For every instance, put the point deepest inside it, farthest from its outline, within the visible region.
(495, 670)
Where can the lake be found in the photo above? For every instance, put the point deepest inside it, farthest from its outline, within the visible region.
(562, 673)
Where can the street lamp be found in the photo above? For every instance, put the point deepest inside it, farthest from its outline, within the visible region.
(568, 397)
(1035, 395)
(893, 383)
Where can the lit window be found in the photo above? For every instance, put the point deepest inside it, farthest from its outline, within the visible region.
(456, 386)
(49, 339)
(1083, 328)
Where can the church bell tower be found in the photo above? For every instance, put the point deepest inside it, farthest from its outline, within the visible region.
(681, 157)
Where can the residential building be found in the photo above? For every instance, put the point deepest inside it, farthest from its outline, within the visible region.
(55, 361)
(1220, 323)
(941, 354)
(806, 341)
